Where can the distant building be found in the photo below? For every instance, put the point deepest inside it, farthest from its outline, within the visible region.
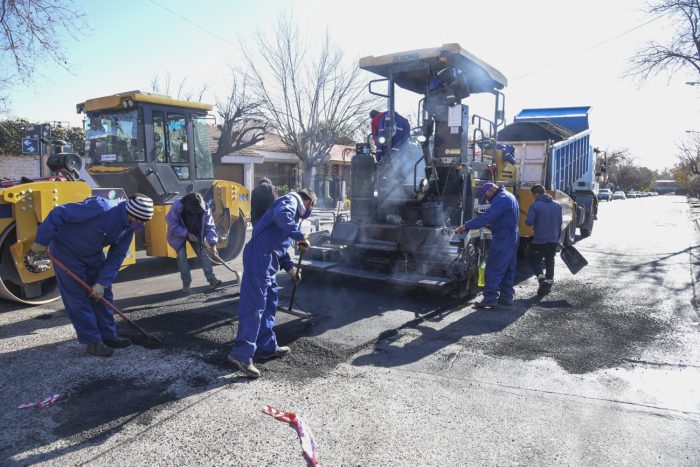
(667, 186)
(270, 158)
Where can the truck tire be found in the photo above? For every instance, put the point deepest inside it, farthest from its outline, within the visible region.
(587, 228)
(570, 234)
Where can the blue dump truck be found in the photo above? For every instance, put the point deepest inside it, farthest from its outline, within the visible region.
(553, 148)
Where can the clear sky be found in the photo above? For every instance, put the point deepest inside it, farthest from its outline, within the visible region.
(547, 49)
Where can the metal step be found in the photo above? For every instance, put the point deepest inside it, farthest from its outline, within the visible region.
(402, 279)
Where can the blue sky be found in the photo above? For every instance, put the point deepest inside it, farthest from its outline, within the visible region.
(544, 47)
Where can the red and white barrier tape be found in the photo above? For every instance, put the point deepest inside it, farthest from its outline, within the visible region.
(308, 444)
(40, 404)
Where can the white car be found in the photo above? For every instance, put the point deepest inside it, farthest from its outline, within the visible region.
(618, 195)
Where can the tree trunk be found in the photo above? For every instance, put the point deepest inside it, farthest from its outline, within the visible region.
(307, 177)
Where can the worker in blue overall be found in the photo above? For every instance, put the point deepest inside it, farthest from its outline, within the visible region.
(77, 233)
(263, 256)
(380, 133)
(503, 217)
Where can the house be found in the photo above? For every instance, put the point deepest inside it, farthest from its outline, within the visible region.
(270, 158)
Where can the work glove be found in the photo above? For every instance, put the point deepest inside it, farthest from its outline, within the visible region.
(98, 291)
(295, 274)
(303, 245)
(192, 237)
(37, 248)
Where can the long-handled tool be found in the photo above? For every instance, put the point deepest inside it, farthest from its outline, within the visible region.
(289, 310)
(103, 300)
(216, 259)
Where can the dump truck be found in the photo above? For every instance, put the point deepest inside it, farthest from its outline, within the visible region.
(134, 142)
(406, 205)
(552, 147)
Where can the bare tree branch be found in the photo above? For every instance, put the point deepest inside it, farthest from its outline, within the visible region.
(30, 31)
(309, 97)
(683, 51)
(242, 122)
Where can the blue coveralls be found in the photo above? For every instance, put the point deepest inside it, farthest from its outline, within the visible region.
(263, 256)
(76, 234)
(503, 217)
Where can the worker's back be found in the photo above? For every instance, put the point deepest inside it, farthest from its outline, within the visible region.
(261, 198)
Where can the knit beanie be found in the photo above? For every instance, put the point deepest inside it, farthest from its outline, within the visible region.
(140, 206)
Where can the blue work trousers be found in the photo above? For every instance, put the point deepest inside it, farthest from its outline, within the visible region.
(184, 266)
(500, 270)
(257, 305)
(93, 321)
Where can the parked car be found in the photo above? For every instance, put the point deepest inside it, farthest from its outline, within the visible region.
(619, 195)
(632, 194)
(604, 194)
(671, 193)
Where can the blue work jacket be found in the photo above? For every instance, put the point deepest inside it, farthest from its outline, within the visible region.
(545, 215)
(502, 216)
(80, 231)
(276, 229)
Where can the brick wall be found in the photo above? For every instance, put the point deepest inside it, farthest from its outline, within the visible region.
(20, 166)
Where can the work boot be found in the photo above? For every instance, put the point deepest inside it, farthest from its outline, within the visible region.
(117, 342)
(485, 304)
(279, 353)
(504, 302)
(186, 288)
(99, 349)
(248, 369)
(214, 283)
(544, 288)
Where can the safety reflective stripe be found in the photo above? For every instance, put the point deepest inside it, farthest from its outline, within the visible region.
(308, 444)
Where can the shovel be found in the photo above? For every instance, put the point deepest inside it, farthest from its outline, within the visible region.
(150, 337)
(572, 258)
(289, 310)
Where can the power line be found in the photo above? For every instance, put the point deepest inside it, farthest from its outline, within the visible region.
(587, 49)
(208, 31)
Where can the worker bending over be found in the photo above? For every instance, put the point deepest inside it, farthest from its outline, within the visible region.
(380, 132)
(190, 219)
(263, 256)
(502, 216)
(76, 233)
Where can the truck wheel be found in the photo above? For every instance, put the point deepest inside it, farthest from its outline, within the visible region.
(11, 286)
(236, 240)
(570, 236)
(587, 229)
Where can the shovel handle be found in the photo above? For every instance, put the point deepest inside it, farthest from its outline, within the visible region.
(103, 300)
(294, 289)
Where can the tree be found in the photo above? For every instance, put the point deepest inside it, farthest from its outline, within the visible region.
(30, 30)
(164, 86)
(12, 132)
(242, 122)
(308, 96)
(681, 52)
(687, 170)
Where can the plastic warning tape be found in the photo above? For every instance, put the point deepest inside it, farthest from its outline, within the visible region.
(308, 444)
